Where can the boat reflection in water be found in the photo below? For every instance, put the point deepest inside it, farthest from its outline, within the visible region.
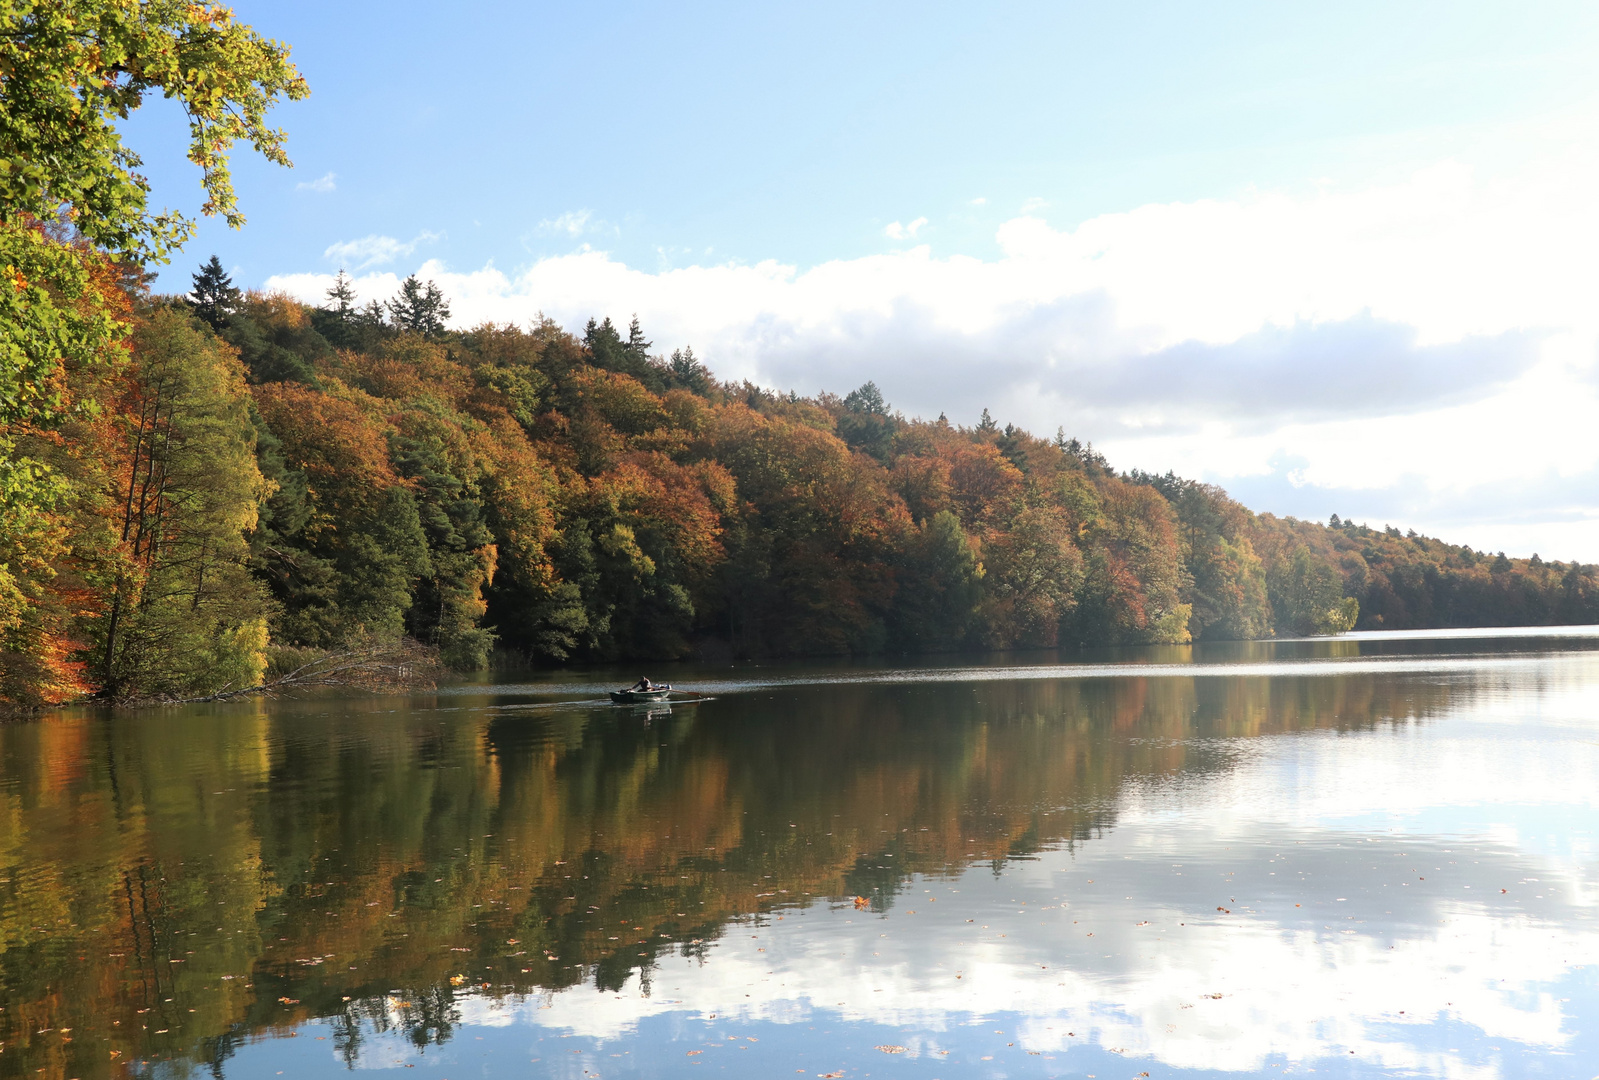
(1255, 861)
(652, 713)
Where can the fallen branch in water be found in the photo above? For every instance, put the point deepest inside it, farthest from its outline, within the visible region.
(388, 667)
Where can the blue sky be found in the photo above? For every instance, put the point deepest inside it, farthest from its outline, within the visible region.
(799, 132)
(816, 194)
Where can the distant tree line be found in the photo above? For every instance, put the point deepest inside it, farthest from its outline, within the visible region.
(254, 481)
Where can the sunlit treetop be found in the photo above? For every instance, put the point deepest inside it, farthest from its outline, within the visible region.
(69, 69)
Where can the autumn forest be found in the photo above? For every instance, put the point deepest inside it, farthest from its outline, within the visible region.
(250, 481)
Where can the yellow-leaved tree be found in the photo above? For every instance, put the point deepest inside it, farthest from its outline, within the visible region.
(72, 204)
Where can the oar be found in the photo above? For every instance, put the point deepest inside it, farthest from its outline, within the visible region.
(694, 693)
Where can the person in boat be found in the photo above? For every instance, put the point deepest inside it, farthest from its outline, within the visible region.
(643, 686)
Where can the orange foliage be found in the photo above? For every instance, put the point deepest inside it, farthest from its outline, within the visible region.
(983, 485)
(342, 452)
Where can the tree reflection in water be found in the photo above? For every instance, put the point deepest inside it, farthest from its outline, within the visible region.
(177, 881)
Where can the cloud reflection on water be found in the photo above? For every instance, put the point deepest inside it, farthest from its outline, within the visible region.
(330, 867)
(1377, 974)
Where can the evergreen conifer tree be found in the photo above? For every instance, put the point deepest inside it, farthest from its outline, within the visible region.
(636, 343)
(420, 308)
(867, 399)
(688, 372)
(605, 345)
(342, 294)
(866, 424)
(213, 298)
(370, 317)
(609, 350)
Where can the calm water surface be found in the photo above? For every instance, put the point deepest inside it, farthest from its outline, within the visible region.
(1374, 856)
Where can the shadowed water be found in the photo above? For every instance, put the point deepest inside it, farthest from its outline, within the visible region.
(1373, 856)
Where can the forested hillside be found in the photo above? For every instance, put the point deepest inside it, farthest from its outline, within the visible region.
(253, 481)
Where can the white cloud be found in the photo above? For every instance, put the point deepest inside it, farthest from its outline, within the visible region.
(1421, 351)
(979, 201)
(322, 185)
(374, 250)
(312, 288)
(895, 231)
(572, 223)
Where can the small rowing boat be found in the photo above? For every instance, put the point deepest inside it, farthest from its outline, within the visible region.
(641, 697)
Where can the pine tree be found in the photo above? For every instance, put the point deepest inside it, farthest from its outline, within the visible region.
(636, 344)
(420, 308)
(867, 399)
(609, 350)
(866, 424)
(369, 317)
(986, 424)
(342, 293)
(605, 346)
(688, 372)
(214, 298)
(943, 586)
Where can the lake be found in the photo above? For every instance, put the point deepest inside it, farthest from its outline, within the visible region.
(1376, 855)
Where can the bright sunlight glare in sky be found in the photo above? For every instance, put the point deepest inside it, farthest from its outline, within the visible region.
(1335, 258)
